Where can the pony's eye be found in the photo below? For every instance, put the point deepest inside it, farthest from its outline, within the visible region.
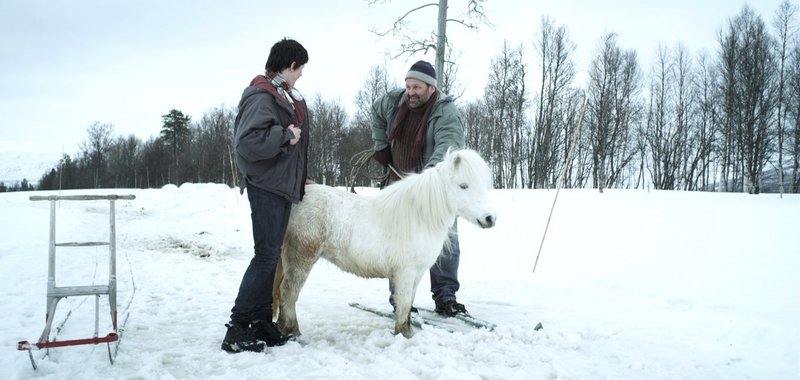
(464, 186)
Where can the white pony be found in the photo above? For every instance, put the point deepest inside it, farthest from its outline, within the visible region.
(396, 234)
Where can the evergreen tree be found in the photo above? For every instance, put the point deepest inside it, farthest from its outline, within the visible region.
(175, 133)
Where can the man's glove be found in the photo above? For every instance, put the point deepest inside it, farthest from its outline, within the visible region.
(383, 156)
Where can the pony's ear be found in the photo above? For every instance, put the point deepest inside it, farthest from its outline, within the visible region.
(456, 160)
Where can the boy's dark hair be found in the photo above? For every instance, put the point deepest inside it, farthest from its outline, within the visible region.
(283, 53)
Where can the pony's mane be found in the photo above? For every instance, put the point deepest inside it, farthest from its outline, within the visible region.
(420, 200)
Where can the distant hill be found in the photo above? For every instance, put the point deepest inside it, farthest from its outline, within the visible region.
(16, 166)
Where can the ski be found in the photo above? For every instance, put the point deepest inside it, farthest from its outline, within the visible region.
(386, 314)
(431, 318)
(466, 318)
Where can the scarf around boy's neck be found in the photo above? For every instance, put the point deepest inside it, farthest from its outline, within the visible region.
(280, 83)
(399, 123)
(275, 84)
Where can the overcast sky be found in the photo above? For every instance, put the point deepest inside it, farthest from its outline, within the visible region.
(67, 64)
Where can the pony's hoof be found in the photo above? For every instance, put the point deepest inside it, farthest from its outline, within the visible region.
(290, 331)
(406, 333)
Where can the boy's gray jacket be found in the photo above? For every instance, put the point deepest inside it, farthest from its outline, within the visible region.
(445, 129)
(261, 141)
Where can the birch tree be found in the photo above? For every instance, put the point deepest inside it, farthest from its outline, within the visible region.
(669, 120)
(505, 98)
(704, 121)
(547, 149)
(613, 111)
(477, 127)
(793, 146)
(212, 150)
(95, 152)
(327, 120)
(748, 67)
(785, 29)
(357, 138)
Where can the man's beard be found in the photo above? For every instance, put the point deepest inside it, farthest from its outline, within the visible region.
(416, 102)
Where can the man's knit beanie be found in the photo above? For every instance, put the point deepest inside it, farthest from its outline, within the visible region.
(423, 71)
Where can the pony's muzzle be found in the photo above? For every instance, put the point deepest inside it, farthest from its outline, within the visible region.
(488, 221)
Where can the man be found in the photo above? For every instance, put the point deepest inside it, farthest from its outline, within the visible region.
(412, 129)
(271, 153)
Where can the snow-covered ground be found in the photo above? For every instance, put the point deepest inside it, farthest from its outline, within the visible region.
(630, 285)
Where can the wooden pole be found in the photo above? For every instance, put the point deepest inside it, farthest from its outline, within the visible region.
(561, 179)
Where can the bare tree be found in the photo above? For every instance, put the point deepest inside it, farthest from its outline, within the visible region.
(668, 123)
(505, 98)
(156, 162)
(477, 127)
(95, 153)
(358, 137)
(661, 133)
(684, 103)
(557, 74)
(327, 120)
(786, 29)
(123, 162)
(437, 40)
(376, 85)
(212, 149)
(576, 168)
(448, 78)
(793, 99)
(748, 66)
(728, 65)
(702, 134)
(613, 111)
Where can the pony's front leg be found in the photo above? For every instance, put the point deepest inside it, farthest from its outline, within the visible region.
(405, 287)
(296, 267)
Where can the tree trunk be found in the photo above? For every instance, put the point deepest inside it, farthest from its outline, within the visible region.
(441, 43)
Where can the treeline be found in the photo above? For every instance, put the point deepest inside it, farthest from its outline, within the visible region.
(185, 151)
(23, 185)
(718, 121)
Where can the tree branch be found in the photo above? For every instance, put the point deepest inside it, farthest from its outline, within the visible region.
(400, 22)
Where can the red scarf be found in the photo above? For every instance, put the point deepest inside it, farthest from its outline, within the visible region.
(398, 125)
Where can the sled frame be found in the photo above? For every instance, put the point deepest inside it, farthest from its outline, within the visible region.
(56, 293)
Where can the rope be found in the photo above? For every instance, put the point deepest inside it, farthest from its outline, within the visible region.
(560, 180)
(361, 159)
